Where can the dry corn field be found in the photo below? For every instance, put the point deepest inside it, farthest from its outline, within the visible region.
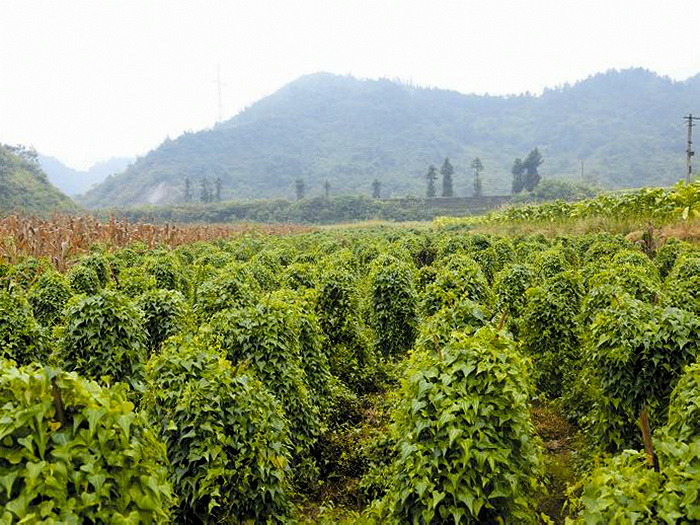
(62, 237)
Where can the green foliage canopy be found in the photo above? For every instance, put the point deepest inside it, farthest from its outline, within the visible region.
(76, 452)
(457, 462)
(227, 439)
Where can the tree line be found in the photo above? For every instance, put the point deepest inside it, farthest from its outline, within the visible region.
(525, 177)
(300, 189)
(206, 192)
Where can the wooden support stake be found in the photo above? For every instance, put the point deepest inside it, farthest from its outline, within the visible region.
(60, 414)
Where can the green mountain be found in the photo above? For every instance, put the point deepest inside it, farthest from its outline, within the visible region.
(24, 187)
(625, 125)
(72, 181)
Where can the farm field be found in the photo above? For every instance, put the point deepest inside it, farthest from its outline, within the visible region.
(349, 263)
(371, 374)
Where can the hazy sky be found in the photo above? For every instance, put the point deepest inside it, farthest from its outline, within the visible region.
(84, 80)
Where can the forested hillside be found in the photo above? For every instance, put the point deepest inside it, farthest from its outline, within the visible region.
(625, 125)
(25, 187)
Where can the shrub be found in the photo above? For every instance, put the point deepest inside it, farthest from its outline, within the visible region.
(419, 247)
(632, 279)
(481, 250)
(550, 262)
(638, 259)
(679, 501)
(300, 275)
(360, 447)
(267, 269)
(244, 248)
(394, 304)
(465, 317)
(357, 366)
(341, 260)
(510, 286)
(104, 335)
(479, 242)
(21, 337)
(365, 251)
(227, 439)
(459, 278)
(487, 258)
(337, 305)
(584, 242)
(597, 299)
(130, 256)
(606, 285)
(27, 272)
(569, 247)
(350, 357)
(569, 286)
(48, 296)
(168, 273)
(684, 295)
(97, 262)
(452, 245)
(684, 408)
(132, 282)
(306, 258)
(550, 332)
(637, 351)
(456, 460)
(425, 276)
(667, 255)
(312, 354)
(628, 490)
(604, 248)
(505, 254)
(83, 280)
(226, 290)
(683, 284)
(267, 336)
(212, 257)
(527, 247)
(686, 267)
(344, 406)
(622, 491)
(166, 313)
(74, 452)
(5, 274)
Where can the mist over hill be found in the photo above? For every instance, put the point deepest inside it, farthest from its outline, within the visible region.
(72, 181)
(625, 125)
(24, 186)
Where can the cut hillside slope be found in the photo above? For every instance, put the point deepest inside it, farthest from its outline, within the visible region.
(625, 125)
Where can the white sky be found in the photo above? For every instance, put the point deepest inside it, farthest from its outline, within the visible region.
(84, 80)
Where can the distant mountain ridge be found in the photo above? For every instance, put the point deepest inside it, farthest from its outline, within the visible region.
(74, 182)
(24, 187)
(626, 126)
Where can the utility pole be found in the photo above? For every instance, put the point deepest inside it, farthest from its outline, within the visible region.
(689, 152)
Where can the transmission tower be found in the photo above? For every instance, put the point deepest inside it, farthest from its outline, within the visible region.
(218, 88)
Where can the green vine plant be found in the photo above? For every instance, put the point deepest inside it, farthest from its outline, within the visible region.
(77, 452)
(467, 449)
